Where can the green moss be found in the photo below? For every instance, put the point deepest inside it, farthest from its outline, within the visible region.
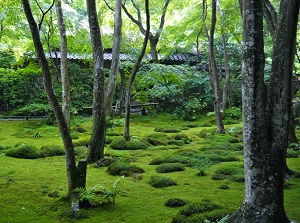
(175, 202)
(52, 150)
(169, 167)
(133, 144)
(167, 129)
(24, 151)
(161, 181)
(122, 168)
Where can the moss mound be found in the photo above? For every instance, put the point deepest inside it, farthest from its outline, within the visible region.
(24, 151)
(124, 169)
(176, 202)
(134, 144)
(161, 181)
(169, 167)
(52, 150)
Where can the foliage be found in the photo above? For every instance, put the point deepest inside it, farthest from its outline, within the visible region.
(161, 181)
(80, 151)
(34, 110)
(121, 168)
(175, 202)
(172, 159)
(52, 150)
(24, 151)
(291, 154)
(7, 59)
(234, 113)
(169, 167)
(107, 195)
(134, 144)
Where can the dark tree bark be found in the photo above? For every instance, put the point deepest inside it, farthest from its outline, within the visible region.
(66, 98)
(153, 38)
(213, 71)
(72, 176)
(97, 141)
(133, 74)
(112, 81)
(266, 119)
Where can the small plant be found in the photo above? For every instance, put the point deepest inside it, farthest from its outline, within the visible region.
(37, 135)
(99, 194)
(74, 135)
(161, 181)
(175, 202)
(169, 167)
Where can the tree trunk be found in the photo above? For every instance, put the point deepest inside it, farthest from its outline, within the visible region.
(214, 72)
(97, 140)
(266, 122)
(62, 124)
(153, 48)
(226, 87)
(112, 81)
(64, 64)
(133, 74)
(119, 105)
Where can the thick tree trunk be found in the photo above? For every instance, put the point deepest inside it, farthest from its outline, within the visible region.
(133, 74)
(66, 98)
(97, 141)
(62, 124)
(266, 122)
(112, 81)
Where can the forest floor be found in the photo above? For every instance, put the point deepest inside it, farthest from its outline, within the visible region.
(32, 190)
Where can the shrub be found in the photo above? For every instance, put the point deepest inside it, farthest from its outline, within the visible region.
(24, 151)
(133, 144)
(168, 129)
(169, 167)
(52, 150)
(122, 168)
(161, 181)
(175, 202)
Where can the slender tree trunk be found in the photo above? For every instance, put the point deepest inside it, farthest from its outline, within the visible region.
(226, 87)
(112, 81)
(97, 140)
(120, 103)
(153, 48)
(64, 64)
(214, 73)
(133, 74)
(266, 123)
(72, 176)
